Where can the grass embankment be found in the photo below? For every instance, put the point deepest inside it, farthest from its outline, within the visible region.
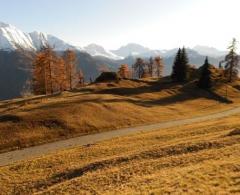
(201, 158)
(100, 107)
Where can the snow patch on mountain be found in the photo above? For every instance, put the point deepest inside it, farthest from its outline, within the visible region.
(59, 44)
(12, 38)
(97, 50)
(131, 49)
(39, 39)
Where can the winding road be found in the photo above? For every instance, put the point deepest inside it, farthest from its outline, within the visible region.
(36, 151)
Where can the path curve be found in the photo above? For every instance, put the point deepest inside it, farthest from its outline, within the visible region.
(36, 151)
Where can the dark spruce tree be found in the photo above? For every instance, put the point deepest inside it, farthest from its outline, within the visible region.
(184, 66)
(205, 77)
(176, 66)
(180, 66)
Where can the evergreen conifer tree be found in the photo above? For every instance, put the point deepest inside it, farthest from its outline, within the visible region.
(184, 66)
(180, 66)
(232, 61)
(176, 66)
(205, 77)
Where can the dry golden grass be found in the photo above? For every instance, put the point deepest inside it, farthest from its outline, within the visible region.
(100, 107)
(200, 158)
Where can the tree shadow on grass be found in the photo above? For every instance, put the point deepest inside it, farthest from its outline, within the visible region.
(177, 93)
(183, 94)
(151, 87)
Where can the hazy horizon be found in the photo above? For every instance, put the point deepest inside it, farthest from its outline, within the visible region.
(156, 24)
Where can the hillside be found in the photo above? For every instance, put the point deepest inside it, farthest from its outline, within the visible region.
(202, 158)
(101, 107)
(126, 97)
(15, 70)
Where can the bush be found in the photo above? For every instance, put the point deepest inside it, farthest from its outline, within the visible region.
(107, 76)
(10, 118)
(234, 132)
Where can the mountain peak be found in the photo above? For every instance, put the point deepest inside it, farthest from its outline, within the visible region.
(12, 38)
(135, 46)
(210, 51)
(94, 45)
(131, 49)
(97, 50)
(37, 33)
(39, 39)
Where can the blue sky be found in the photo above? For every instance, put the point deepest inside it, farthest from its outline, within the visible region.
(158, 24)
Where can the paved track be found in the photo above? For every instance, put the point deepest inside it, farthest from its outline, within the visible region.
(36, 151)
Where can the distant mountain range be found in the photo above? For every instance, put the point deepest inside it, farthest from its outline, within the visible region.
(97, 50)
(11, 38)
(91, 59)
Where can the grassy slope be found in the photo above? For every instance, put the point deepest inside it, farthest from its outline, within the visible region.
(198, 159)
(99, 107)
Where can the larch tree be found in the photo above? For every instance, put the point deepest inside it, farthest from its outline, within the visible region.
(124, 72)
(70, 60)
(139, 68)
(232, 61)
(60, 75)
(159, 66)
(44, 71)
(205, 81)
(151, 66)
(38, 77)
(49, 63)
(81, 79)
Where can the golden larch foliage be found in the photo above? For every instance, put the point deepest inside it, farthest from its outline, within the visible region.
(52, 73)
(124, 71)
(159, 66)
(81, 77)
(70, 60)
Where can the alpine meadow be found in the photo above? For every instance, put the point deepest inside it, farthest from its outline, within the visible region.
(119, 97)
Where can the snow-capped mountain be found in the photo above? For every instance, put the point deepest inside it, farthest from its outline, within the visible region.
(136, 50)
(97, 50)
(40, 40)
(59, 44)
(131, 49)
(12, 38)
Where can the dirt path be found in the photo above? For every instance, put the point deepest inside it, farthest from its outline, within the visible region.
(36, 151)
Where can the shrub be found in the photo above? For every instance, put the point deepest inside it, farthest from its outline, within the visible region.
(107, 76)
